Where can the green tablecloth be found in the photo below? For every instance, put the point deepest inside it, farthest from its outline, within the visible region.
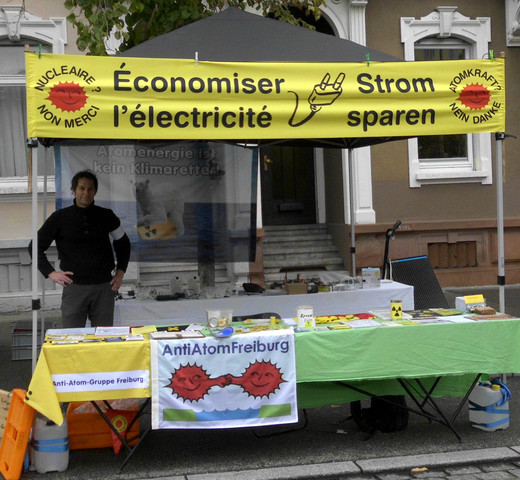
(369, 358)
(374, 357)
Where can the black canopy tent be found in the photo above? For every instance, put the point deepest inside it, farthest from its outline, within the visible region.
(237, 36)
(234, 35)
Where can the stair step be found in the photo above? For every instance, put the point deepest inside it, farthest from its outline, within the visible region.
(299, 237)
(300, 268)
(284, 228)
(189, 268)
(303, 262)
(292, 246)
(303, 249)
(300, 250)
(289, 259)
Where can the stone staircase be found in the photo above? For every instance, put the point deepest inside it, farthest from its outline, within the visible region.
(302, 249)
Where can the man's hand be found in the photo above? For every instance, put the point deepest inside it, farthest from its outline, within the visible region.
(61, 278)
(117, 280)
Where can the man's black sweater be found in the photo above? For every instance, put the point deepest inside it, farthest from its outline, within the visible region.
(82, 238)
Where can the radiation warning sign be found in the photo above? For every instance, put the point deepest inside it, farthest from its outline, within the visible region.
(396, 309)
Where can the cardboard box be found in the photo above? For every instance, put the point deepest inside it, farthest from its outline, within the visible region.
(371, 277)
(87, 429)
(296, 288)
(465, 304)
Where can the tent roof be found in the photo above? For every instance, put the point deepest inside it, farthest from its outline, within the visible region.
(234, 35)
(237, 36)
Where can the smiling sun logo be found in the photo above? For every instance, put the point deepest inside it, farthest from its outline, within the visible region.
(191, 382)
(68, 96)
(260, 379)
(474, 96)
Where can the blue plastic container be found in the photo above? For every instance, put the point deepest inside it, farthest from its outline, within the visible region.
(49, 445)
(489, 406)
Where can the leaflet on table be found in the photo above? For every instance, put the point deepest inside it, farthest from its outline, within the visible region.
(387, 315)
(362, 323)
(446, 312)
(195, 327)
(193, 330)
(70, 331)
(459, 319)
(172, 335)
(134, 337)
(142, 330)
(65, 339)
(425, 321)
(497, 316)
(112, 331)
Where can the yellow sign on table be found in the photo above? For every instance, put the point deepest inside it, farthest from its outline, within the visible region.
(396, 309)
(88, 371)
(474, 298)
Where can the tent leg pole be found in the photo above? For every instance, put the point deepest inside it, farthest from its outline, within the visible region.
(44, 216)
(501, 278)
(352, 213)
(33, 143)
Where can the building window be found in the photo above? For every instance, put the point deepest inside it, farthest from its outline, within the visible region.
(19, 28)
(445, 34)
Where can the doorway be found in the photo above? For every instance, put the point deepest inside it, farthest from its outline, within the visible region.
(287, 173)
(287, 179)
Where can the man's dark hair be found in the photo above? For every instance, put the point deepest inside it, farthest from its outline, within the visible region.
(83, 174)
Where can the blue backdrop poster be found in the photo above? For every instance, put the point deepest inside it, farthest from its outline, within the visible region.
(178, 202)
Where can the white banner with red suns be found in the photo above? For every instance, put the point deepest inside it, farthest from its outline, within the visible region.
(241, 381)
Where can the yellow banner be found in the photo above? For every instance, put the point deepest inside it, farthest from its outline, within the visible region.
(71, 96)
(93, 371)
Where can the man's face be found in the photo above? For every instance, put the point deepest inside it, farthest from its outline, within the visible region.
(84, 192)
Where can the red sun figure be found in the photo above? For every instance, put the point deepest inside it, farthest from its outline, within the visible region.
(191, 382)
(475, 96)
(68, 97)
(260, 379)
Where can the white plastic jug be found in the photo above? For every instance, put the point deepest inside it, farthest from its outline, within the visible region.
(489, 406)
(49, 445)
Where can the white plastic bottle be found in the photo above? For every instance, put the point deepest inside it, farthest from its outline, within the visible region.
(489, 406)
(49, 445)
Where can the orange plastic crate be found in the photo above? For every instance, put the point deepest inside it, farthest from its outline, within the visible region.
(89, 430)
(16, 436)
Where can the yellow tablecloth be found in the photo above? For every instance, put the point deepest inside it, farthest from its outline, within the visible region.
(84, 367)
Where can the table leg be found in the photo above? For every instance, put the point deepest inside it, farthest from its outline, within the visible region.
(463, 401)
(126, 442)
(427, 399)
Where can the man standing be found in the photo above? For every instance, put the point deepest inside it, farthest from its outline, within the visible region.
(82, 234)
